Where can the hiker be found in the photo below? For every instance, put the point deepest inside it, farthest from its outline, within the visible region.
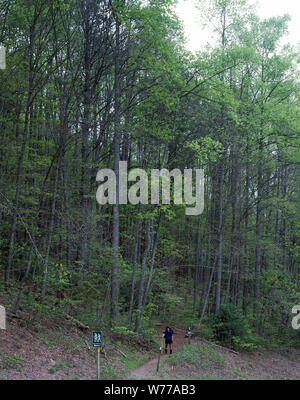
(188, 334)
(168, 335)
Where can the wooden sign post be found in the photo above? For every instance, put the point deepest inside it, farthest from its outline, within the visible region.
(158, 360)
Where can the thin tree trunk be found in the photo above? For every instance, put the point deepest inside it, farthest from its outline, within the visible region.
(196, 272)
(246, 258)
(220, 237)
(46, 263)
(258, 240)
(152, 260)
(135, 256)
(116, 206)
(207, 293)
(17, 303)
(142, 280)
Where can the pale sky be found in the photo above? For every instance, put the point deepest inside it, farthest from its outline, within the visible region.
(197, 37)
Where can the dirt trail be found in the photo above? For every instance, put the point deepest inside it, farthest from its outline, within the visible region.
(148, 370)
(263, 364)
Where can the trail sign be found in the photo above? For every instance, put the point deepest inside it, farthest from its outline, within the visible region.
(97, 338)
(97, 342)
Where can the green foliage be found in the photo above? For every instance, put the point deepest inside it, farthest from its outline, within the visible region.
(229, 323)
(240, 344)
(62, 364)
(206, 331)
(199, 356)
(11, 362)
(124, 335)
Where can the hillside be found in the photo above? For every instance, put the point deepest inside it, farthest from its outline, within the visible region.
(35, 348)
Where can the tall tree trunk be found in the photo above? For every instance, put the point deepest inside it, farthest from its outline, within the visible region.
(21, 157)
(142, 280)
(116, 206)
(246, 257)
(196, 271)
(135, 256)
(220, 235)
(16, 204)
(53, 207)
(156, 238)
(207, 292)
(233, 240)
(258, 238)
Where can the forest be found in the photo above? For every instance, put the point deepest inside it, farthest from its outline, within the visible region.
(90, 83)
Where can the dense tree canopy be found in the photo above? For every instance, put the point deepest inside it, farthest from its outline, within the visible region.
(89, 83)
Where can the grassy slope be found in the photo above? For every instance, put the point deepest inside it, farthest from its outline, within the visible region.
(39, 346)
(204, 361)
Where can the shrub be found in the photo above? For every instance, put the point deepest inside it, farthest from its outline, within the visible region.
(206, 331)
(124, 335)
(240, 344)
(229, 323)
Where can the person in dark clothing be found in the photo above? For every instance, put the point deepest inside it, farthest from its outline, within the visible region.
(168, 335)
